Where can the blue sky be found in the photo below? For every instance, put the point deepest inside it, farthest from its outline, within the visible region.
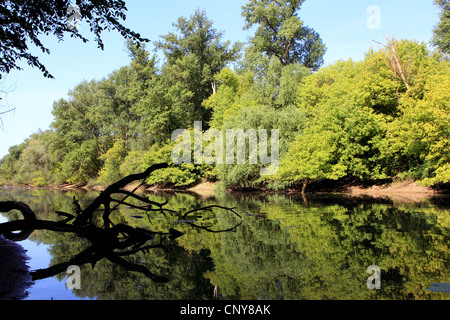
(342, 26)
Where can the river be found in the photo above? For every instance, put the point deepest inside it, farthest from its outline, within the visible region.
(327, 246)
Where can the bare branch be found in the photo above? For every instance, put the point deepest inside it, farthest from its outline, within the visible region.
(394, 60)
(208, 229)
(105, 196)
(112, 241)
(210, 207)
(5, 112)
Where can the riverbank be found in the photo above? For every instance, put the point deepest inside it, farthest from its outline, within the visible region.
(398, 190)
(14, 275)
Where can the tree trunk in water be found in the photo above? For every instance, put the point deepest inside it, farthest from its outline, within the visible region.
(305, 183)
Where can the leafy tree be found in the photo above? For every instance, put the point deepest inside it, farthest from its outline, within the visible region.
(289, 122)
(79, 119)
(81, 133)
(193, 57)
(441, 33)
(112, 159)
(121, 94)
(274, 84)
(100, 113)
(228, 99)
(8, 164)
(23, 21)
(282, 34)
(362, 119)
(81, 164)
(419, 137)
(342, 130)
(30, 163)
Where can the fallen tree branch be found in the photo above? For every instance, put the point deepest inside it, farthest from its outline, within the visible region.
(28, 215)
(112, 241)
(105, 197)
(208, 208)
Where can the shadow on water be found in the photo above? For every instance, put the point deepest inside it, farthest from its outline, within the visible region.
(270, 246)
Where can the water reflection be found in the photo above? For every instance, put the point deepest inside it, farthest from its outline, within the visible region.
(282, 249)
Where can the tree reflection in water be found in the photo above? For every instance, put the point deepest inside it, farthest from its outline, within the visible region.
(111, 241)
(282, 249)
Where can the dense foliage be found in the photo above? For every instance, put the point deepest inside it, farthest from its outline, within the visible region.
(380, 118)
(441, 33)
(24, 21)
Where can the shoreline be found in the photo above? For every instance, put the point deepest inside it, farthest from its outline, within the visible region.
(14, 271)
(408, 190)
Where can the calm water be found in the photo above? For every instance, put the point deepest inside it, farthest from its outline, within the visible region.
(282, 248)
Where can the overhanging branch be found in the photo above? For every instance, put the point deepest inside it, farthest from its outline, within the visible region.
(111, 242)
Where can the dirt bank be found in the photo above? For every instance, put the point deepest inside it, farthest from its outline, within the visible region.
(205, 188)
(398, 191)
(393, 188)
(14, 276)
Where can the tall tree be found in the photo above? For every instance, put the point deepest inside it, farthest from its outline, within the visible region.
(282, 34)
(122, 91)
(23, 21)
(194, 55)
(441, 38)
(80, 132)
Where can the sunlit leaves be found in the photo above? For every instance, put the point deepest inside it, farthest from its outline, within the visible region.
(282, 34)
(364, 122)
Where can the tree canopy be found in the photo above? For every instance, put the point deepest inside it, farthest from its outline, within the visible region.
(282, 34)
(441, 33)
(23, 21)
(384, 117)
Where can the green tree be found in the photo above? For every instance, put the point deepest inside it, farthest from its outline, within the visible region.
(226, 102)
(282, 34)
(30, 163)
(122, 92)
(8, 164)
(366, 120)
(341, 131)
(79, 118)
(112, 159)
(274, 84)
(419, 138)
(80, 137)
(441, 33)
(23, 22)
(100, 113)
(289, 122)
(194, 55)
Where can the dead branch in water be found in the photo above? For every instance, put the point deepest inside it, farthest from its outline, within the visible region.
(112, 241)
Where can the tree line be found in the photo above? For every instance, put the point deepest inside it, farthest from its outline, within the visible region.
(383, 117)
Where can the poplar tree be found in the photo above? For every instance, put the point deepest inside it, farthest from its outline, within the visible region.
(441, 32)
(194, 54)
(282, 34)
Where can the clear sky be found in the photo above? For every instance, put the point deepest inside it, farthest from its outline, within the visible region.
(347, 27)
